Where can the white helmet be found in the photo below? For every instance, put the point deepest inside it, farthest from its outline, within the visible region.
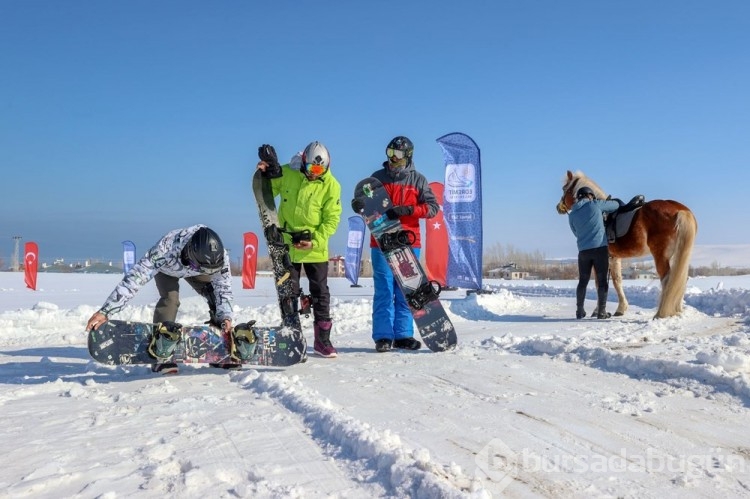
(314, 157)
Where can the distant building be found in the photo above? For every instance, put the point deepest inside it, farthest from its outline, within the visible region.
(508, 273)
(635, 273)
(336, 266)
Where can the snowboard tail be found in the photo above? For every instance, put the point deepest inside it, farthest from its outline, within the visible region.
(422, 295)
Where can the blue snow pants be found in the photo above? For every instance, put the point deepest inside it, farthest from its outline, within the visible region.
(391, 317)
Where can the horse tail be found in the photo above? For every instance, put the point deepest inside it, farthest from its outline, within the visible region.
(675, 282)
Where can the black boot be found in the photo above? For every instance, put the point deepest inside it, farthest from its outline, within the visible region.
(601, 309)
(207, 292)
(580, 297)
(407, 344)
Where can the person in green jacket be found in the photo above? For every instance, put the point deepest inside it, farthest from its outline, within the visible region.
(309, 213)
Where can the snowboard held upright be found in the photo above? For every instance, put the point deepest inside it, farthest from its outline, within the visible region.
(288, 296)
(118, 342)
(422, 295)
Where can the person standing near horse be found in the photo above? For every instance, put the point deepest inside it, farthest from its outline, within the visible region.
(663, 228)
(586, 219)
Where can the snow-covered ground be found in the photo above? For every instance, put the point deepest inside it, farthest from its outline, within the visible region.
(533, 403)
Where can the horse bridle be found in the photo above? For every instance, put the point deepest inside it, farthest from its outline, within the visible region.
(569, 190)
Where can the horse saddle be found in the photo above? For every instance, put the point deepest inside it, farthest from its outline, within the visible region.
(617, 223)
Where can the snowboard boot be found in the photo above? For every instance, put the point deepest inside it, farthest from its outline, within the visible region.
(383, 345)
(407, 344)
(207, 292)
(229, 366)
(213, 321)
(164, 340)
(234, 360)
(165, 368)
(322, 345)
(245, 341)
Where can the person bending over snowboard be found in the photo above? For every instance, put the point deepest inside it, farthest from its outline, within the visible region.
(195, 254)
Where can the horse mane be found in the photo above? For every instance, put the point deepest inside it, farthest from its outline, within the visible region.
(583, 180)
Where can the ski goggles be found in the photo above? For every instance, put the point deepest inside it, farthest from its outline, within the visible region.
(315, 169)
(203, 269)
(395, 153)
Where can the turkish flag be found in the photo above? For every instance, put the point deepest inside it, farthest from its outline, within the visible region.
(436, 242)
(250, 260)
(30, 264)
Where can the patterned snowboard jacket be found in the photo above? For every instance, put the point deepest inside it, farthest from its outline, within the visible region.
(164, 257)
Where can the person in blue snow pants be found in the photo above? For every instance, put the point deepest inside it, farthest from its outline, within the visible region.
(412, 199)
(391, 317)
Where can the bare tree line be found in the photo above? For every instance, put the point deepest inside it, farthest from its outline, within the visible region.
(534, 262)
(501, 255)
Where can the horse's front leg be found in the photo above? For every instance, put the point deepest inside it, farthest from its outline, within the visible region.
(615, 270)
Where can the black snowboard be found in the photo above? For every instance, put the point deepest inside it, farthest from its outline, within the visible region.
(124, 342)
(279, 253)
(421, 294)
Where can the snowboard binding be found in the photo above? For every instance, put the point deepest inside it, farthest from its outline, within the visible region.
(305, 305)
(245, 341)
(274, 236)
(164, 339)
(288, 306)
(426, 293)
(397, 239)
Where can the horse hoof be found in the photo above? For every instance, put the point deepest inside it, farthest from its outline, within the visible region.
(618, 314)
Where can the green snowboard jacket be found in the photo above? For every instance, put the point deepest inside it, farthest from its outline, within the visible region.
(308, 205)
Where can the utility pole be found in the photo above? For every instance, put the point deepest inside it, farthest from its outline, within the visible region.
(14, 265)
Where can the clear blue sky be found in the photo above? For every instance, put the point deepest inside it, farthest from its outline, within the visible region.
(123, 120)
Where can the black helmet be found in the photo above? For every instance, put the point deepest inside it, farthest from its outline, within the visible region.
(400, 143)
(399, 153)
(204, 252)
(584, 192)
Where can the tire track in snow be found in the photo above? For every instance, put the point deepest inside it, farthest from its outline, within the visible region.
(399, 470)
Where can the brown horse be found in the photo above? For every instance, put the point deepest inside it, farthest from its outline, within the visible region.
(664, 228)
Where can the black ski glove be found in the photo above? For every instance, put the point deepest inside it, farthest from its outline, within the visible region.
(358, 205)
(267, 154)
(399, 211)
